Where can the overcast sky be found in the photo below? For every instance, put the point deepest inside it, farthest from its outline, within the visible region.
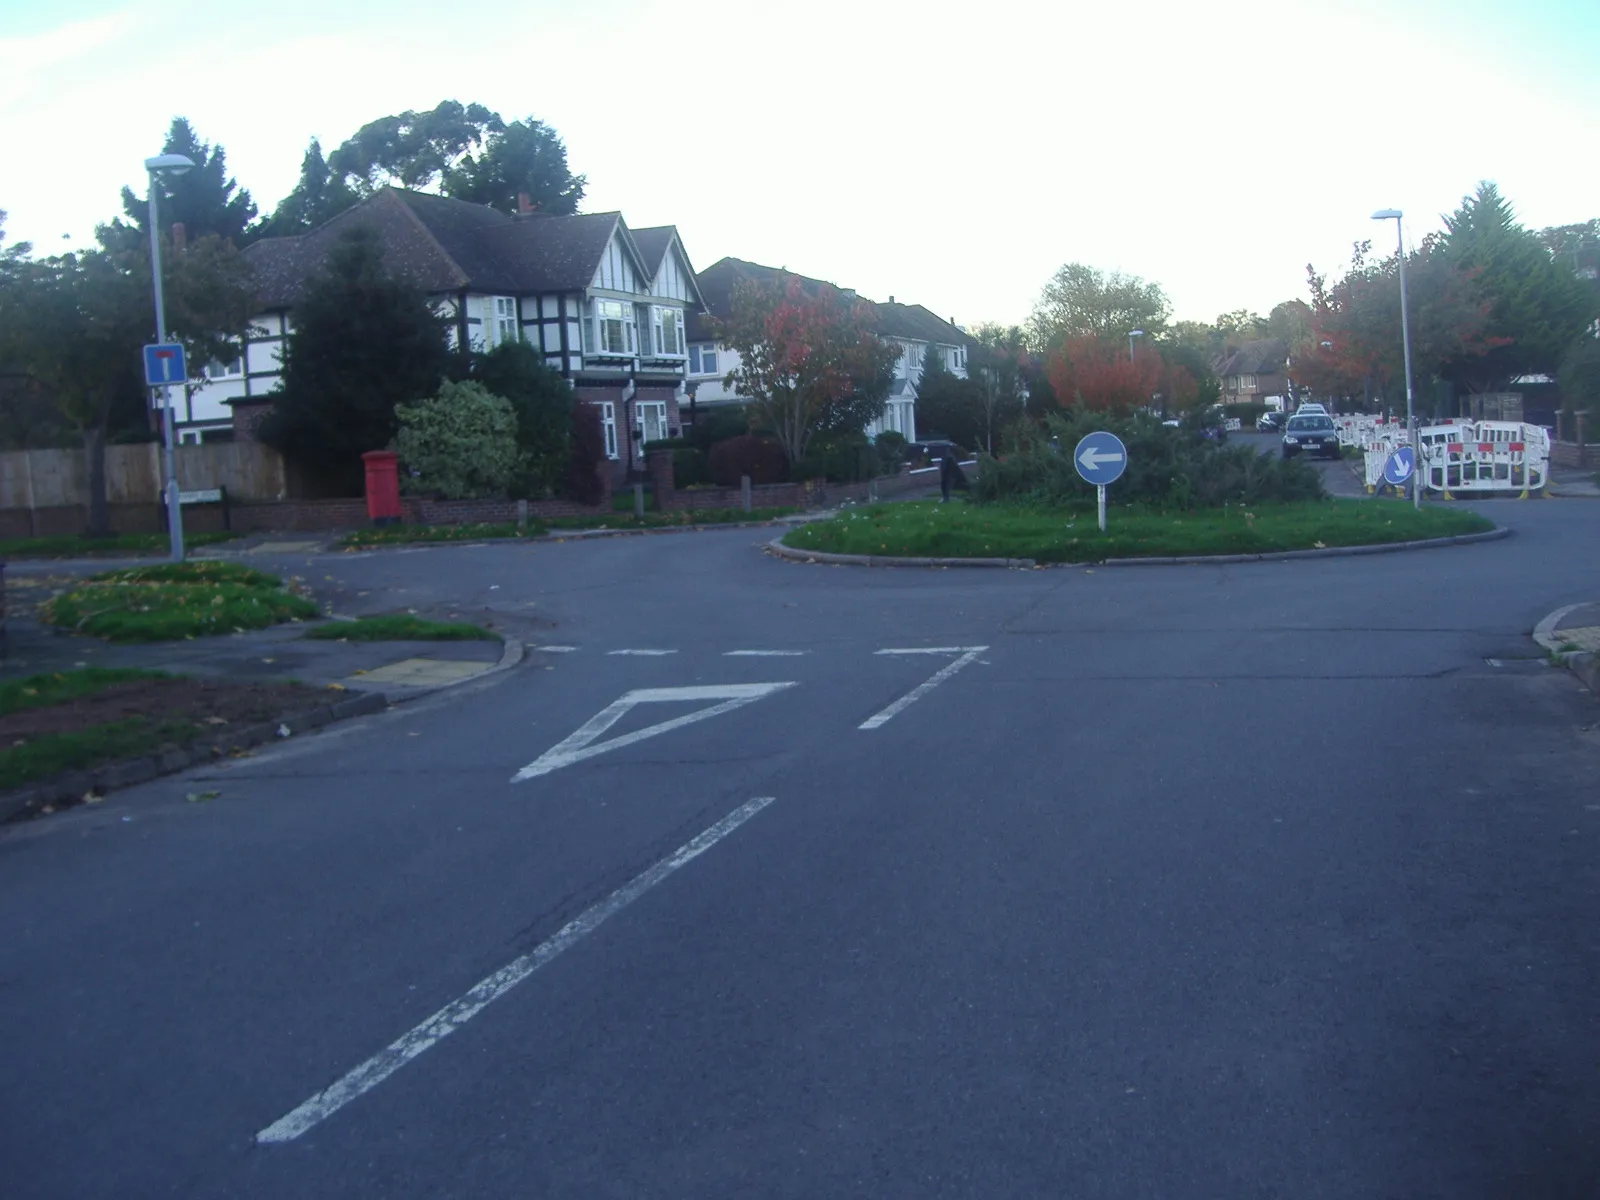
(949, 154)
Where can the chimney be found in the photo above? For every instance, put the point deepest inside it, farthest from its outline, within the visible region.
(891, 299)
(524, 204)
(180, 237)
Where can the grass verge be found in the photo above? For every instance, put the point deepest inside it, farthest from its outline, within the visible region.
(403, 535)
(917, 530)
(175, 600)
(673, 520)
(63, 687)
(401, 627)
(74, 546)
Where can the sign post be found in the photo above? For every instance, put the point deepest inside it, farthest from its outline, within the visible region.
(1100, 458)
(164, 366)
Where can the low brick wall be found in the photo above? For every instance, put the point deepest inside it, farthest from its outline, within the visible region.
(1574, 454)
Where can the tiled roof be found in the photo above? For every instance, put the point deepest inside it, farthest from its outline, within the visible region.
(444, 245)
(653, 243)
(909, 321)
(1263, 357)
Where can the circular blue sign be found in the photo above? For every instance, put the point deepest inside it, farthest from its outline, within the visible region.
(1398, 466)
(1101, 458)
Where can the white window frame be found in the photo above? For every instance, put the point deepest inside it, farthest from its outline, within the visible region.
(608, 428)
(700, 356)
(668, 346)
(607, 312)
(232, 369)
(658, 411)
(500, 321)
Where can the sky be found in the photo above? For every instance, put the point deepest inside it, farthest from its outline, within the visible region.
(947, 154)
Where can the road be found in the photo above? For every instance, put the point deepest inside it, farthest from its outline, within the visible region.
(1258, 880)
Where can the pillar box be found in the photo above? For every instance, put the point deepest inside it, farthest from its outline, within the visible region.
(383, 486)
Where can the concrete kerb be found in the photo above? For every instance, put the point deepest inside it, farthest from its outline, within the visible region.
(71, 786)
(776, 547)
(1585, 664)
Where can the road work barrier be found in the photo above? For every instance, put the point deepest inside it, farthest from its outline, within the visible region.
(1466, 457)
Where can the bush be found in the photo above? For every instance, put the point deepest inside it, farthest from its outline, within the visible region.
(690, 467)
(459, 444)
(587, 457)
(542, 401)
(891, 447)
(840, 460)
(761, 459)
(718, 424)
(1167, 468)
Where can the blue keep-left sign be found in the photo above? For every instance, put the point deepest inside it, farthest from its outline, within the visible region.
(1398, 466)
(1101, 458)
(164, 365)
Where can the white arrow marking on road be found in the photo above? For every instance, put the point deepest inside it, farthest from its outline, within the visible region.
(580, 745)
(1092, 458)
(458, 1012)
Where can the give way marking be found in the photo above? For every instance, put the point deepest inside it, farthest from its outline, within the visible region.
(968, 653)
(581, 744)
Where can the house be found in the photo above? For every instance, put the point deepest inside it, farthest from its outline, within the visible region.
(1256, 373)
(607, 306)
(913, 328)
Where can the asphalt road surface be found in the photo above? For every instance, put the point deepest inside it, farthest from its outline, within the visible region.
(1246, 881)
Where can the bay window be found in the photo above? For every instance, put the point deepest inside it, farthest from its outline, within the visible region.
(667, 325)
(615, 331)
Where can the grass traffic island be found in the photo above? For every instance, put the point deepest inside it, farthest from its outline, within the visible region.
(1068, 535)
(71, 720)
(406, 535)
(113, 545)
(175, 600)
(401, 627)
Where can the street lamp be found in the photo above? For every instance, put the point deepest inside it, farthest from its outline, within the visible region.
(171, 165)
(1133, 333)
(1395, 215)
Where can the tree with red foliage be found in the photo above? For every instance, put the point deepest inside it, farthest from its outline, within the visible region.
(1099, 374)
(1355, 323)
(809, 361)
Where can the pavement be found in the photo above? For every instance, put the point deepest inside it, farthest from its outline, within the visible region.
(758, 878)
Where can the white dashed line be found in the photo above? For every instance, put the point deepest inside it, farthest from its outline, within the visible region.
(551, 649)
(457, 1013)
(642, 653)
(763, 653)
(934, 650)
(926, 686)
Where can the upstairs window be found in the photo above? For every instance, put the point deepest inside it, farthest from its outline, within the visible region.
(702, 360)
(615, 331)
(232, 369)
(501, 325)
(668, 327)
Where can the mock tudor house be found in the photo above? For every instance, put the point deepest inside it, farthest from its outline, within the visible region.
(913, 328)
(607, 306)
(1256, 373)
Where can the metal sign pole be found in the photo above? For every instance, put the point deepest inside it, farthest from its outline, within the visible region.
(174, 508)
(1102, 490)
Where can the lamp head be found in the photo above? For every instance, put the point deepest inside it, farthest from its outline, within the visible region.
(168, 164)
(1135, 333)
(1387, 214)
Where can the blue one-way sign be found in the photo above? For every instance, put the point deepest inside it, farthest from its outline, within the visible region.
(164, 365)
(1398, 466)
(1101, 458)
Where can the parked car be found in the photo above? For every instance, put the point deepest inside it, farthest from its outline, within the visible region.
(1310, 433)
(1270, 422)
(1310, 409)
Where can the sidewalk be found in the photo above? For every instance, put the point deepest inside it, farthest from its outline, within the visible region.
(1572, 634)
(1572, 482)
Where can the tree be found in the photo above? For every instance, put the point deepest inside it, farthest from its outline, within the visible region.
(413, 149)
(205, 200)
(542, 402)
(526, 158)
(1536, 304)
(363, 342)
(1082, 302)
(458, 444)
(77, 322)
(1356, 340)
(809, 361)
(1098, 373)
(319, 196)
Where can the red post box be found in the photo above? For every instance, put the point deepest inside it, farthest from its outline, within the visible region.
(383, 486)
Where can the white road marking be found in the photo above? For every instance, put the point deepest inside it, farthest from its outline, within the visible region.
(763, 653)
(643, 653)
(934, 650)
(551, 649)
(927, 685)
(457, 1013)
(579, 745)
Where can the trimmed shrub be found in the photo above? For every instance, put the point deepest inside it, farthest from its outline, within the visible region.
(760, 458)
(690, 467)
(587, 458)
(891, 447)
(460, 444)
(1167, 468)
(713, 425)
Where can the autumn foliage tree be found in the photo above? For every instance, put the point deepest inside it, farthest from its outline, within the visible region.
(809, 361)
(1099, 374)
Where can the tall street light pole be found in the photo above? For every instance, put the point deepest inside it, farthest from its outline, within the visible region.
(165, 164)
(1133, 333)
(1394, 214)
